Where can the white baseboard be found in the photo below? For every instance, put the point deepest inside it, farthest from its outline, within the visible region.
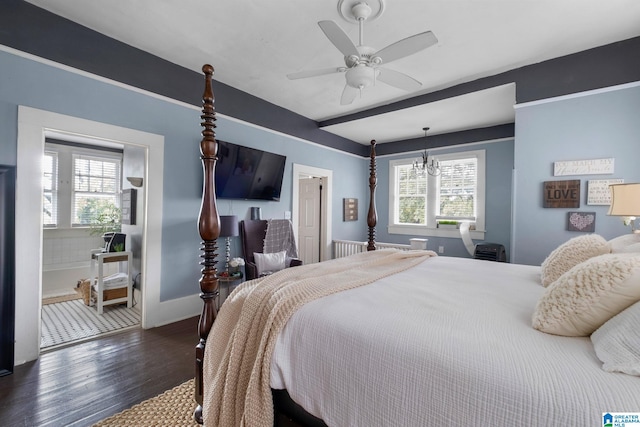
(173, 311)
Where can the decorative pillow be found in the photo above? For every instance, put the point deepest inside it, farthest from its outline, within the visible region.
(625, 243)
(635, 248)
(571, 253)
(270, 263)
(588, 295)
(617, 342)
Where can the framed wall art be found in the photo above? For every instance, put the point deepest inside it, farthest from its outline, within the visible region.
(350, 209)
(129, 202)
(581, 221)
(598, 192)
(583, 167)
(561, 194)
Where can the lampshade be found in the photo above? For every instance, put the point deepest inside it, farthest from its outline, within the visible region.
(228, 225)
(625, 200)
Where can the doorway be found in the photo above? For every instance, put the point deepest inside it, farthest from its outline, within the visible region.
(310, 219)
(311, 200)
(85, 186)
(32, 126)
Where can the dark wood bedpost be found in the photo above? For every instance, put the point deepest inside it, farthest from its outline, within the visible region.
(209, 228)
(372, 216)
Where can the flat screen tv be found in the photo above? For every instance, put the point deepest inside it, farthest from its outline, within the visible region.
(248, 173)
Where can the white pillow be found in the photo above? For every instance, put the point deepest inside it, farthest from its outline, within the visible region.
(630, 249)
(617, 342)
(570, 254)
(625, 243)
(270, 263)
(588, 295)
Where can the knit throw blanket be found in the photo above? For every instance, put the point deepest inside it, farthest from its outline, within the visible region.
(241, 342)
(279, 237)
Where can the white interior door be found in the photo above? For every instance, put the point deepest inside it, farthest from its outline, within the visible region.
(310, 218)
(326, 227)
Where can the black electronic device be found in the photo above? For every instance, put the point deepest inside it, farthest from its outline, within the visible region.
(490, 252)
(114, 242)
(248, 173)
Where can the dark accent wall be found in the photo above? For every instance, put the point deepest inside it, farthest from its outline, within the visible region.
(447, 139)
(609, 65)
(604, 66)
(36, 31)
(31, 29)
(7, 263)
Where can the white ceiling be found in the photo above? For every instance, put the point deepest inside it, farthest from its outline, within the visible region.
(254, 44)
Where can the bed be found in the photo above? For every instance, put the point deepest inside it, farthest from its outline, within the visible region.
(389, 338)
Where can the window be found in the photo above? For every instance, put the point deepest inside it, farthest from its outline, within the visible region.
(418, 201)
(96, 187)
(81, 185)
(457, 189)
(412, 196)
(50, 189)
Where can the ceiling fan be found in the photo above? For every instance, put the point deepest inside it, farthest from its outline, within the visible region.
(363, 63)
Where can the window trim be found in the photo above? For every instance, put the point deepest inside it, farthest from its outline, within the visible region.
(432, 194)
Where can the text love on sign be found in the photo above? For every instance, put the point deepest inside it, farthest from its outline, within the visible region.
(561, 194)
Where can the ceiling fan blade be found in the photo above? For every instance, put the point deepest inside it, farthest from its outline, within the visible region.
(397, 79)
(339, 38)
(348, 95)
(314, 73)
(406, 47)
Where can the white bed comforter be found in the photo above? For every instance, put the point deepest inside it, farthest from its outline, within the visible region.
(450, 343)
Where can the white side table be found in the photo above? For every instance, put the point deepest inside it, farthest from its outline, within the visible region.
(98, 259)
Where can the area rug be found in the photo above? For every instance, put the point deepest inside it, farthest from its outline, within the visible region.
(61, 298)
(68, 321)
(173, 408)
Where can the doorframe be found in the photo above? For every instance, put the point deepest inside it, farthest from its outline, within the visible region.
(326, 208)
(33, 124)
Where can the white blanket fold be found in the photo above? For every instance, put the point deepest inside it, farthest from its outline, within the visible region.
(241, 342)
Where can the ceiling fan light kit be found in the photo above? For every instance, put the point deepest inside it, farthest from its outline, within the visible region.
(361, 76)
(363, 62)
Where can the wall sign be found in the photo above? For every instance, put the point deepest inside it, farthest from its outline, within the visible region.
(599, 192)
(583, 167)
(350, 209)
(561, 194)
(581, 221)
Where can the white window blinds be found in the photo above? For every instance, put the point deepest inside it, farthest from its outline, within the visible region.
(418, 201)
(96, 186)
(412, 196)
(50, 189)
(457, 192)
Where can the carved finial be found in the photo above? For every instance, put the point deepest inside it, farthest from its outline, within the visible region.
(372, 216)
(209, 228)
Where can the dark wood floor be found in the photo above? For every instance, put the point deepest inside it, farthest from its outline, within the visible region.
(87, 382)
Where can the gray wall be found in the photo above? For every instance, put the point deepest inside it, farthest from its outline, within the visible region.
(499, 166)
(31, 83)
(595, 126)
(598, 125)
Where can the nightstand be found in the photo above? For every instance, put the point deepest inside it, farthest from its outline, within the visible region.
(226, 285)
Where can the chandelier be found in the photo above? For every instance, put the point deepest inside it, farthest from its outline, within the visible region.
(426, 164)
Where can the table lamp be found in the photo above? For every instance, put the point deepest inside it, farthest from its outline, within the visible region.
(228, 229)
(625, 201)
